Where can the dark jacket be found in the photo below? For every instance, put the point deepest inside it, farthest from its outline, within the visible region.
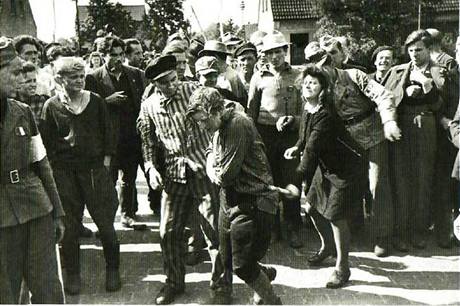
(326, 143)
(455, 137)
(77, 141)
(397, 80)
(123, 117)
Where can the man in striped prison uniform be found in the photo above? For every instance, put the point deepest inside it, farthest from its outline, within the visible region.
(162, 123)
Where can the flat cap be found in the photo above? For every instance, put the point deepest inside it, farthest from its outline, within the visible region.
(160, 66)
(246, 47)
(206, 64)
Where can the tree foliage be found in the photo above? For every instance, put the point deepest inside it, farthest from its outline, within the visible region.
(101, 13)
(370, 23)
(213, 30)
(164, 18)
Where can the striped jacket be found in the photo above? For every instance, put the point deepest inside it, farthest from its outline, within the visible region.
(162, 123)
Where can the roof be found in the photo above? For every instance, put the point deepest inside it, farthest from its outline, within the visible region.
(122, 2)
(294, 9)
(446, 6)
(309, 9)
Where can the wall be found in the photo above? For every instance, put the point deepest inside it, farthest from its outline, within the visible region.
(20, 23)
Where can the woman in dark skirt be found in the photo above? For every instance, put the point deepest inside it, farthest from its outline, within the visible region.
(333, 169)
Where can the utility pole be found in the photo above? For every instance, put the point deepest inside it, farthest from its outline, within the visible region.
(77, 26)
(419, 15)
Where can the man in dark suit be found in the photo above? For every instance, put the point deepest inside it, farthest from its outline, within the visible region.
(122, 87)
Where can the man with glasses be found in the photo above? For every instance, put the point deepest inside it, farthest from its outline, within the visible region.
(122, 87)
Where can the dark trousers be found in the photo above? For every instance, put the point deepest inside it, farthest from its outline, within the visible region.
(177, 202)
(383, 205)
(282, 169)
(414, 167)
(244, 235)
(93, 188)
(27, 251)
(125, 169)
(445, 197)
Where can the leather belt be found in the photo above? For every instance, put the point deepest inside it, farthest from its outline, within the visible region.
(358, 118)
(15, 176)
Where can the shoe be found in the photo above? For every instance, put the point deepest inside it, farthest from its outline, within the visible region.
(193, 258)
(401, 245)
(271, 274)
(127, 221)
(419, 243)
(112, 280)
(381, 250)
(85, 232)
(72, 284)
(320, 256)
(167, 295)
(294, 240)
(338, 279)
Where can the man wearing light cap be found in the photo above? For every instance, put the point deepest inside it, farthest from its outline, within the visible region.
(275, 105)
(178, 48)
(228, 77)
(232, 42)
(162, 123)
(207, 73)
(30, 209)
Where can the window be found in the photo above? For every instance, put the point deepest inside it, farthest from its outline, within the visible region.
(299, 41)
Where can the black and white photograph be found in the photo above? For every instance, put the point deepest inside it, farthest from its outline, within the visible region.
(230, 152)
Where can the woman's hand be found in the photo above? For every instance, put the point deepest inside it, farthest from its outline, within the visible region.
(291, 153)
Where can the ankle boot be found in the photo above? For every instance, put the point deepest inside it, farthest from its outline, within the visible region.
(112, 259)
(271, 274)
(262, 286)
(72, 284)
(112, 279)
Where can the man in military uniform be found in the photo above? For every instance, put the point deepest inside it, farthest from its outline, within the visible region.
(30, 208)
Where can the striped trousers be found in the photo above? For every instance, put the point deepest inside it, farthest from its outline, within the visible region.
(178, 201)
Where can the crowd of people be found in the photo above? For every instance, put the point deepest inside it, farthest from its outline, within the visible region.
(227, 133)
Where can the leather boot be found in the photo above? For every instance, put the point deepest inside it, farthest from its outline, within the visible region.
(262, 286)
(271, 274)
(112, 259)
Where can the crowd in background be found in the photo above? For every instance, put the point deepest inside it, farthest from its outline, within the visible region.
(217, 124)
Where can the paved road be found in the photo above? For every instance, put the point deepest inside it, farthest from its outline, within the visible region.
(430, 276)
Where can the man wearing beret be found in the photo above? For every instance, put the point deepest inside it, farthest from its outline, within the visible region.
(30, 208)
(162, 123)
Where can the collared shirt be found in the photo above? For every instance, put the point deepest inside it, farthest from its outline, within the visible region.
(273, 95)
(162, 123)
(36, 103)
(240, 158)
